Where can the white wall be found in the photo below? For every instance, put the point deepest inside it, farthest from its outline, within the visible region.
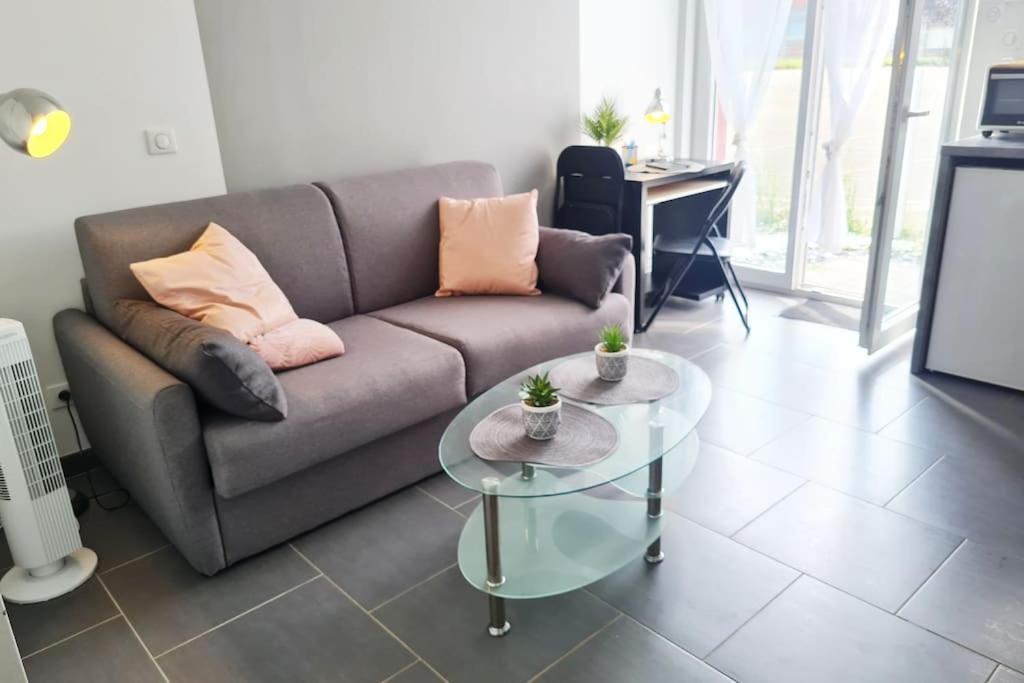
(627, 49)
(998, 36)
(321, 89)
(118, 67)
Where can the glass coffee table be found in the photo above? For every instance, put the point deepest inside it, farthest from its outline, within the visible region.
(541, 530)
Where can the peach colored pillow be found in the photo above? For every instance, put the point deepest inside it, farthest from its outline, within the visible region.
(218, 282)
(221, 283)
(489, 246)
(300, 342)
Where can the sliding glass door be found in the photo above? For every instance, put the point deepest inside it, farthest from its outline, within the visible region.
(919, 119)
(776, 145)
(845, 144)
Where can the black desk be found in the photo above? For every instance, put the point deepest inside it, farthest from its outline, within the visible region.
(650, 205)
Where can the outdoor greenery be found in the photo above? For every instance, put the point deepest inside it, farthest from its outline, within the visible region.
(605, 125)
(612, 338)
(537, 391)
(788, 63)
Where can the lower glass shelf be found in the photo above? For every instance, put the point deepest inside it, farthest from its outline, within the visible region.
(553, 545)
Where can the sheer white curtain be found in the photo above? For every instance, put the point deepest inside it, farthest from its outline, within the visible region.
(744, 38)
(856, 36)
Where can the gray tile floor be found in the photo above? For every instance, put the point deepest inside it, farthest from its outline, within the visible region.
(846, 522)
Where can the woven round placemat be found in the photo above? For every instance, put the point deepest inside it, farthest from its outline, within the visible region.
(583, 438)
(646, 380)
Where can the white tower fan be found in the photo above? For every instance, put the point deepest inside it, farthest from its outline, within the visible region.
(41, 529)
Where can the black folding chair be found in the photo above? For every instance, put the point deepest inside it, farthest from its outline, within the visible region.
(706, 245)
(588, 191)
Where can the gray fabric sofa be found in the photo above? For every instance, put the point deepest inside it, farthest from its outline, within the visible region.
(359, 255)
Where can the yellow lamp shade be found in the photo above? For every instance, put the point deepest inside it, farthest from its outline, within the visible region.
(48, 134)
(655, 112)
(657, 117)
(32, 122)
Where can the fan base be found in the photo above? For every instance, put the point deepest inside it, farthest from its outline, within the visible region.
(21, 587)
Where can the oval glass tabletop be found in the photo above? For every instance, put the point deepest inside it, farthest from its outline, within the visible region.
(647, 431)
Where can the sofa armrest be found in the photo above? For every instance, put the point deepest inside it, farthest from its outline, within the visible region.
(144, 426)
(626, 286)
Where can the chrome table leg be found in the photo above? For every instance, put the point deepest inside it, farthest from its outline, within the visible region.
(499, 625)
(654, 489)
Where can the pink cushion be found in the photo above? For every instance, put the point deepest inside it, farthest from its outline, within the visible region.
(221, 283)
(489, 246)
(218, 282)
(297, 343)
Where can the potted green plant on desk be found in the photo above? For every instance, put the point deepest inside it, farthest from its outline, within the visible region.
(605, 125)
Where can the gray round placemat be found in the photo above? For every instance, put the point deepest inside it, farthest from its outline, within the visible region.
(646, 380)
(583, 438)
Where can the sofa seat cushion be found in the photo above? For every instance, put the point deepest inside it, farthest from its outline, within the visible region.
(499, 336)
(390, 378)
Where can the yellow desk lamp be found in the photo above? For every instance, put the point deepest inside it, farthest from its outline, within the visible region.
(655, 113)
(32, 122)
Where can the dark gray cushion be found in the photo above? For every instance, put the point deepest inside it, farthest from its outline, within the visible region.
(292, 231)
(501, 335)
(390, 225)
(388, 379)
(581, 266)
(223, 371)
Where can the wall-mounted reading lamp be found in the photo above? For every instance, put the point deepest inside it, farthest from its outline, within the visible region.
(32, 122)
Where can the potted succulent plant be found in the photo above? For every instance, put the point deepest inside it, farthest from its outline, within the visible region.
(612, 354)
(542, 409)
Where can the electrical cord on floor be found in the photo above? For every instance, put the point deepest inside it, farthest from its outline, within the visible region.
(65, 396)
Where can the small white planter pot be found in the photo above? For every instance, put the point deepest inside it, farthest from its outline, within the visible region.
(611, 367)
(542, 423)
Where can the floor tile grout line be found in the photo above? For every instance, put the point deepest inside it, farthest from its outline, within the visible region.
(706, 351)
(412, 588)
(73, 635)
(807, 417)
(916, 404)
(753, 616)
(789, 566)
(373, 617)
(930, 576)
(830, 370)
(131, 626)
(947, 639)
(857, 597)
(438, 500)
(135, 559)
(913, 481)
(833, 489)
(238, 616)
(574, 648)
(800, 573)
(768, 509)
(752, 457)
(401, 671)
(648, 629)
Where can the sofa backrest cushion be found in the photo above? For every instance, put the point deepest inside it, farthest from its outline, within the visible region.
(292, 230)
(389, 222)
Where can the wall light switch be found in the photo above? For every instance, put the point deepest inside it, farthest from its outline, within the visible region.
(161, 141)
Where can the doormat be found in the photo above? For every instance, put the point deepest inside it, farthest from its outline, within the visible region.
(824, 313)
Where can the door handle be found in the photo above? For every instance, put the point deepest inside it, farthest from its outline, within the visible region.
(916, 114)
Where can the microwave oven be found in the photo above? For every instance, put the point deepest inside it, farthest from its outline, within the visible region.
(1002, 104)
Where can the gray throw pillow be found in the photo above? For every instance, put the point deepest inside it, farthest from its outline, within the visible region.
(581, 266)
(223, 371)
